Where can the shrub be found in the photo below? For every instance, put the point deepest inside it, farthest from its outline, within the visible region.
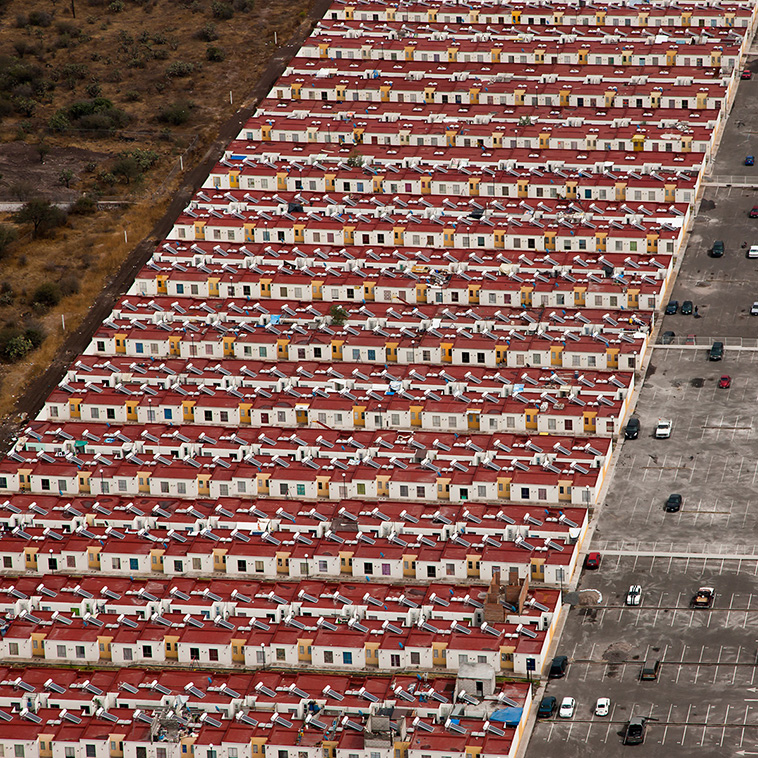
(132, 96)
(93, 89)
(47, 295)
(84, 205)
(145, 158)
(58, 122)
(8, 235)
(16, 344)
(40, 18)
(215, 54)
(69, 285)
(243, 6)
(74, 71)
(17, 347)
(97, 114)
(208, 33)
(179, 68)
(116, 6)
(222, 11)
(175, 114)
(25, 106)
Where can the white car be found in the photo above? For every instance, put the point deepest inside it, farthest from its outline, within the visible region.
(603, 706)
(663, 430)
(634, 595)
(754, 310)
(568, 705)
(753, 251)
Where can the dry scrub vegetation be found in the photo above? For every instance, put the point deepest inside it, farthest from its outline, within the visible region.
(98, 98)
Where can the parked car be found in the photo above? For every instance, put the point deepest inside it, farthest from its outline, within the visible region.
(754, 309)
(686, 309)
(650, 669)
(725, 382)
(634, 732)
(717, 251)
(663, 430)
(548, 706)
(668, 338)
(752, 251)
(753, 212)
(632, 429)
(716, 353)
(603, 706)
(703, 598)
(558, 667)
(746, 74)
(672, 307)
(673, 503)
(750, 160)
(568, 706)
(592, 561)
(634, 595)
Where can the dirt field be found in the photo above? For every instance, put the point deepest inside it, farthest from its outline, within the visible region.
(121, 51)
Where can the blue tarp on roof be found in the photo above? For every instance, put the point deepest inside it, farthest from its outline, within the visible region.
(508, 716)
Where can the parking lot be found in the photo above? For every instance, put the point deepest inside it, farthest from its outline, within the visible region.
(706, 694)
(705, 699)
(724, 288)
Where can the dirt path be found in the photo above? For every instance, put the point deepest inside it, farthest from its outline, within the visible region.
(33, 398)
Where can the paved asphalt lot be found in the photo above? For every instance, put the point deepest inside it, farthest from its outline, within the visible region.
(706, 697)
(725, 288)
(705, 701)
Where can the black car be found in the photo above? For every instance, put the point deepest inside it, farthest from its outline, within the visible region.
(558, 667)
(686, 309)
(716, 353)
(547, 707)
(634, 732)
(717, 251)
(673, 504)
(668, 338)
(672, 307)
(632, 429)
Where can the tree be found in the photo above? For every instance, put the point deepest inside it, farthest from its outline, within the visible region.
(7, 235)
(355, 159)
(65, 177)
(41, 214)
(42, 150)
(128, 168)
(338, 314)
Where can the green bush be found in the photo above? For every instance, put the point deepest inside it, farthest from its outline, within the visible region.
(15, 343)
(84, 205)
(222, 11)
(40, 18)
(208, 33)
(47, 295)
(215, 54)
(175, 114)
(179, 68)
(97, 114)
(8, 235)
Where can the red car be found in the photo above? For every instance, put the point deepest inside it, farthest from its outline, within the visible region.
(746, 74)
(725, 382)
(753, 212)
(592, 561)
